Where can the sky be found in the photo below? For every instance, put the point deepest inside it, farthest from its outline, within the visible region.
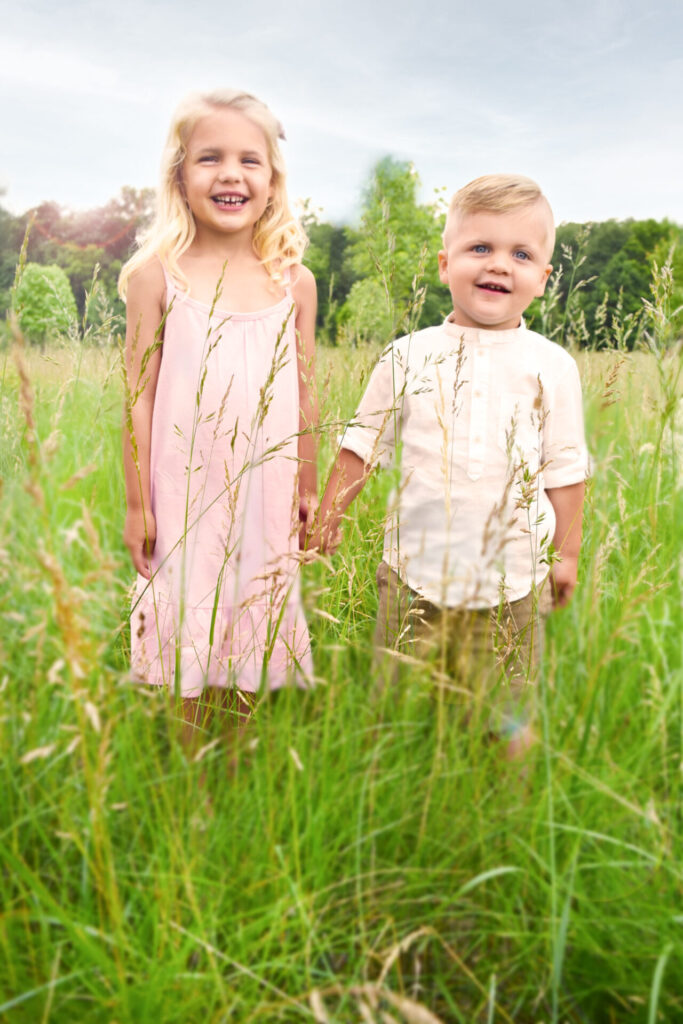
(585, 96)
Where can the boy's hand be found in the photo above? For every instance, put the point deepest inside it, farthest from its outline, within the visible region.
(563, 580)
(139, 536)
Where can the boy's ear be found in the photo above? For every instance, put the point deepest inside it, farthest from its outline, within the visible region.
(547, 271)
(443, 266)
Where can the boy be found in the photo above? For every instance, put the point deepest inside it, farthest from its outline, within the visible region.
(493, 461)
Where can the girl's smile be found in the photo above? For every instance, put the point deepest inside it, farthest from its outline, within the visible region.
(230, 200)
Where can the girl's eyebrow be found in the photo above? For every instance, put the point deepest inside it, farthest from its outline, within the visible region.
(206, 150)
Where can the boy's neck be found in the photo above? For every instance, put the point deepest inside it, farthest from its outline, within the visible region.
(482, 327)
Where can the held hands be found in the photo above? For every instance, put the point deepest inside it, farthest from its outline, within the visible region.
(139, 536)
(316, 537)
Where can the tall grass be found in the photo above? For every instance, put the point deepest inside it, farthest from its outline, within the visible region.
(364, 858)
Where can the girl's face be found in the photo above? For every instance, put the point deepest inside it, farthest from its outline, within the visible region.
(226, 174)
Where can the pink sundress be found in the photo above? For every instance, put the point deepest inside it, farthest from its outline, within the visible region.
(223, 606)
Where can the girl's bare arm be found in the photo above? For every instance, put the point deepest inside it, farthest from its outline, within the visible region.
(144, 314)
(305, 298)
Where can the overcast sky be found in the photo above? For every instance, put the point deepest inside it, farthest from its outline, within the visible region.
(586, 96)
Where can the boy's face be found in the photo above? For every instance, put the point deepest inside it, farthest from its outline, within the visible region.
(495, 264)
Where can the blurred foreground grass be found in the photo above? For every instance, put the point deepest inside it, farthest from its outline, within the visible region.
(365, 858)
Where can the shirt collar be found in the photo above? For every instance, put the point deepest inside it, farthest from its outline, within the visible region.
(475, 336)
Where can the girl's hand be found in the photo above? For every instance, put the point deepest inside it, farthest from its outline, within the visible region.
(139, 536)
(308, 511)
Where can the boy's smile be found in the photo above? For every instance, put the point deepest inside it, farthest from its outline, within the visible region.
(495, 264)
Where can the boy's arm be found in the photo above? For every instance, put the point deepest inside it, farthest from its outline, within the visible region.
(142, 361)
(305, 297)
(371, 433)
(346, 481)
(568, 505)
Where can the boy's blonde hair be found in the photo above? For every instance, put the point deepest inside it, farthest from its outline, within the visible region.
(279, 240)
(500, 193)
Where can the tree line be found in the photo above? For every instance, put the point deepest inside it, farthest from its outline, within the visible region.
(375, 280)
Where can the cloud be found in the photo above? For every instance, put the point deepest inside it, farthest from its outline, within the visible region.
(578, 95)
(40, 70)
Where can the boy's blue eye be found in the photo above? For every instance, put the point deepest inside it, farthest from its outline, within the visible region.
(521, 254)
(480, 248)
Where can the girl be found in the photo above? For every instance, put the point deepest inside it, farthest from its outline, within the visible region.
(219, 451)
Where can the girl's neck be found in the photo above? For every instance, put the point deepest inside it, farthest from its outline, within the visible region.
(245, 284)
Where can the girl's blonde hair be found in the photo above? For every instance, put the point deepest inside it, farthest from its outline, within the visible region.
(279, 240)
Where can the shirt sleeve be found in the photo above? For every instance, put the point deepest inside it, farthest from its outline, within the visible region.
(565, 456)
(373, 431)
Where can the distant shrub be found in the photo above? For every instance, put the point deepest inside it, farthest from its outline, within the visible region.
(366, 312)
(44, 302)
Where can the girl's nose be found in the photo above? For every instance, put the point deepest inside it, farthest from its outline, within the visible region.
(230, 170)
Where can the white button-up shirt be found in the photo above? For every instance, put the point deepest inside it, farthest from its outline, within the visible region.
(479, 424)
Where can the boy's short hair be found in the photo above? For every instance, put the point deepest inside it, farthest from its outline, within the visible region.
(499, 193)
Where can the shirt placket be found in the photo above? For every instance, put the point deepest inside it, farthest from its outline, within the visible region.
(479, 410)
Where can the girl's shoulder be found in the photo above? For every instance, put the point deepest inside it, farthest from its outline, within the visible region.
(148, 279)
(302, 284)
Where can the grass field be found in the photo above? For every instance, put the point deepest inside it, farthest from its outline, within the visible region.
(364, 860)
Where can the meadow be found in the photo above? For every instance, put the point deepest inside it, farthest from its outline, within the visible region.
(351, 856)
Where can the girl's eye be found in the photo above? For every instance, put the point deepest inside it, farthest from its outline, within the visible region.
(207, 159)
(252, 160)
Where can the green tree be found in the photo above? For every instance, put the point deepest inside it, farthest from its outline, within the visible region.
(366, 312)
(397, 246)
(327, 256)
(605, 274)
(11, 236)
(79, 240)
(44, 302)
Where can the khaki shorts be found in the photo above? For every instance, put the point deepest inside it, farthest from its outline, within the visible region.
(485, 659)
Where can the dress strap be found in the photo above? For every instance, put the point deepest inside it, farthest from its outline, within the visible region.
(171, 285)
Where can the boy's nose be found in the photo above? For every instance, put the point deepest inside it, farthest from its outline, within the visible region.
(499, 262)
